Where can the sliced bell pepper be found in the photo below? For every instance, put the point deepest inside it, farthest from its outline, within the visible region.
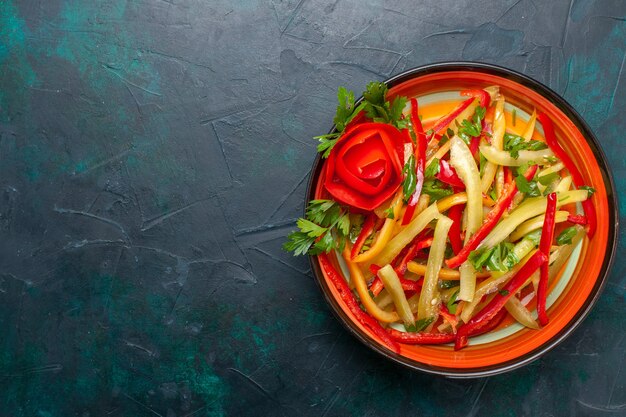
(420, 158)
(412, 252)
(366, 230)
(551, 140)
(484, 99)
(407, 284)
(485, 315)
(346, 295)
(448, 175)
(451, 319)
(444, 121)
(577, 219)
(455, 214)
(547, 234)
(490, 221)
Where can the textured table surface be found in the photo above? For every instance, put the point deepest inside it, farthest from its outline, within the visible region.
(155, 153)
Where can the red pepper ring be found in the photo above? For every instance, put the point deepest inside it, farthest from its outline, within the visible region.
(547, 234)
(365, 167)
(551, 140)
(346, 295)
(488, 312)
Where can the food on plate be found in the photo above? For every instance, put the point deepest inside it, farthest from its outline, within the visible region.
(435, 222)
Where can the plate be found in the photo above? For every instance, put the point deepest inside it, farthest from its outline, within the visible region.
(577, 287)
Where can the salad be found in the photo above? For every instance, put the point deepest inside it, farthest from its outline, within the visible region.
(448, 218)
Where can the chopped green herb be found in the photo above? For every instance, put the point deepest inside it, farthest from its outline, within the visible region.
(432, 169)
(527, 187)
(471, 129)
(566, 236)
(483, 163)
(436, 189)
(410, 178)
(548, 179)
(452, 304)
(515, 143)
(389, 213)
(499, 258)
(589, 189)
(504, 293)
(445, 284)
(420, 325)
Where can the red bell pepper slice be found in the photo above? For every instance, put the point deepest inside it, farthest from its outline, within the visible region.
(454, 234)
(407, 284)
(490, 221)
(577, 219)
(508, 175)
(551, 140)
(448, 175)
(420, 159)
(444, 121)
(452, 320)
(487, 314)
(366, 230)
(441, 338)
(483, 97)
(411, 253)
(547, 234)
(346, 295)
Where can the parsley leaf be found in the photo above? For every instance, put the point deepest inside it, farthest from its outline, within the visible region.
(499, 258)
(566, 236)
(389, 213)
(589, 189)
(379, 109)
(504, 293)
(471, 129)
(515, 143)
(420, 325)
(432, 169)
(327, 142)
(299, 243)
(346, 111)
(445, 284)
(527, 187)
(326, 227)
(436, 189)
(547, 179)
(451, 304)
(410, 178)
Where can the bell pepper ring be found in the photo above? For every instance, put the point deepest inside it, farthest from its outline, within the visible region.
(364, 168)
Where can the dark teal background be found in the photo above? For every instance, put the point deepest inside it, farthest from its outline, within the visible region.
(155, 153)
